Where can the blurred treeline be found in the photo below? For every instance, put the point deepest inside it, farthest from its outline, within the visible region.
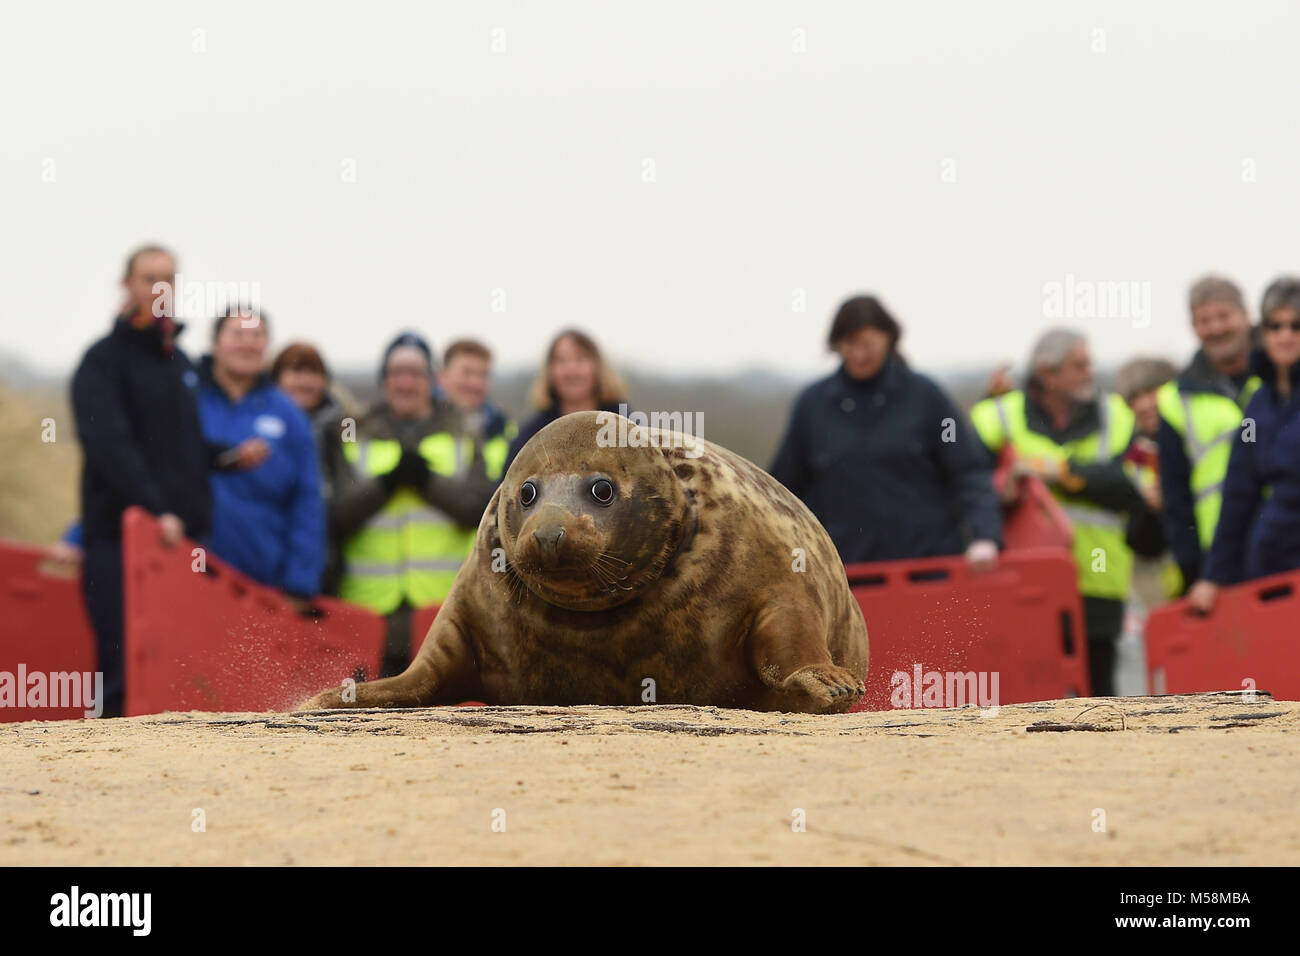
(39, 480)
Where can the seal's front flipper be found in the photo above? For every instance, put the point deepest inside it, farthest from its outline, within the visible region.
(411, 688)
(788, 652)
(833, 688)
(442, 673)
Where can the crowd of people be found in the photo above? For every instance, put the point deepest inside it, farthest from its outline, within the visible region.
(269, 464)
(1199, 467)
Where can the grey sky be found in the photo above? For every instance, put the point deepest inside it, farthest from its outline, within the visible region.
(523, 169)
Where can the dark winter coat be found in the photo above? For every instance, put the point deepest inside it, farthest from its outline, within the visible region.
(870, 459)
(134, 403)
(1259, 525)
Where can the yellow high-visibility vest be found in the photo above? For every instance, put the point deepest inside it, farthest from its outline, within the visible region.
(1104, 560)
(1215, 421)
(495, 451)
(409, 549)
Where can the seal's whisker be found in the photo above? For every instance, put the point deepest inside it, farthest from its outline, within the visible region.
(614, 573)
(515, 586)
(604, 578)
(607, 578)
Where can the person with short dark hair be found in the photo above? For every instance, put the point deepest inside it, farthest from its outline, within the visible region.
(465, 347)
(301, 373)
(883, 458)
(1138, 382)
(268, 521)
(1258, 531)
(465, 380)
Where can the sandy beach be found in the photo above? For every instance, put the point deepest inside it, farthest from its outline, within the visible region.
(1204, 779)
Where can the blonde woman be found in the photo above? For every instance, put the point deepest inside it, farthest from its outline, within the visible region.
(574, 378)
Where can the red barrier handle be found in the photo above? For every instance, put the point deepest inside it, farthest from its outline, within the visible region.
(921, 571)
(1263, 591)
(1274, 592)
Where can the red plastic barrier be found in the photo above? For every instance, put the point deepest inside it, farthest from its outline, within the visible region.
(1023, 621)
(421, 621)
(218, 641)
(43, 626)
(1253, 635)
(1034, 519)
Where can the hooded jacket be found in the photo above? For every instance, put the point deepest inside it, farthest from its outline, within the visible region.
(269, 521)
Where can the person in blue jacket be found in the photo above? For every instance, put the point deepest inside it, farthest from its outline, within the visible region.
(269, 521)
(1258, 533)
(133, 397)
(883, 458)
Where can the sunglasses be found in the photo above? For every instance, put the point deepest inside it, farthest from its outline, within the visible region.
(1272, 326)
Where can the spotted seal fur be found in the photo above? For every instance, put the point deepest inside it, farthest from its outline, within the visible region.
(663, 569)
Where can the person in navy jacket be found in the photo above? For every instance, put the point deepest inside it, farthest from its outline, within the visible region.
(134, 406)
(1259, 526)
(269, 521)
(883, 458)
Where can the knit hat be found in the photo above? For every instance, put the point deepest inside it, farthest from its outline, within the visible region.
(407, 339)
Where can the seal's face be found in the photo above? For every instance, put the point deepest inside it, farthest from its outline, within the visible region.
(587, 527)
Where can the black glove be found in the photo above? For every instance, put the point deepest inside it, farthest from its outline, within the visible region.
(411, 470)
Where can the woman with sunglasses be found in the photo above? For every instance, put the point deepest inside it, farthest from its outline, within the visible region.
(1259, 528)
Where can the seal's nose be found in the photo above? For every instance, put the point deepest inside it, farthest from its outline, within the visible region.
(549, 540)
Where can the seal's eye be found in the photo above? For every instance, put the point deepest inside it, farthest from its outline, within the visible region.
(603, 491)
(527, 494)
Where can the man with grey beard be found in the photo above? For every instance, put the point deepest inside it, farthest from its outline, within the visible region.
(1200, 413)
(1062, 431)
